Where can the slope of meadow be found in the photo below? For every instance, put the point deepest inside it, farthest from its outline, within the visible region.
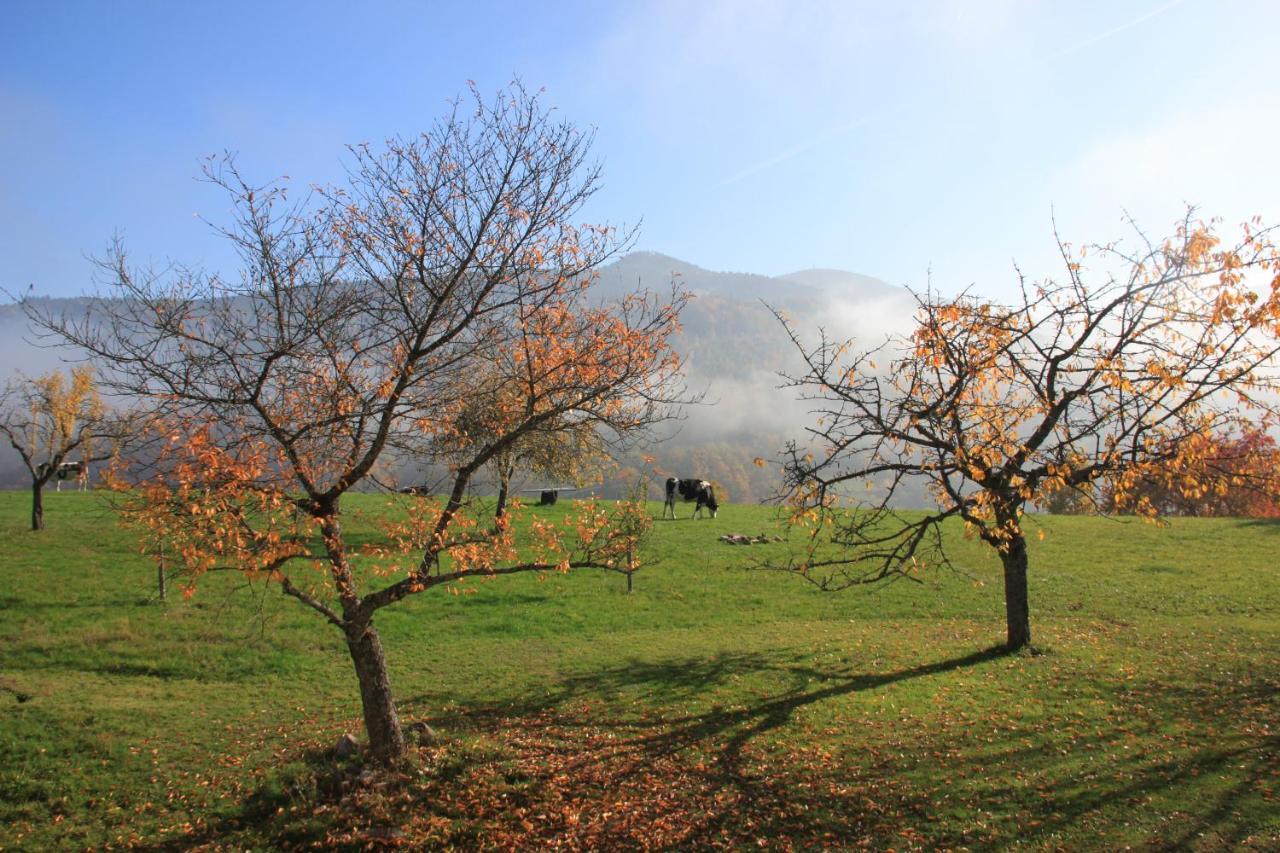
(714, 706)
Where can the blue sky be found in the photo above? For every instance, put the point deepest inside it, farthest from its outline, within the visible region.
(892, 139)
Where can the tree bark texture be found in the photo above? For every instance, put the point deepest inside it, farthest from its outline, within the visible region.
(386, 740)
(504, 485)
(37, 506)
(502, 500)
(1017, 612)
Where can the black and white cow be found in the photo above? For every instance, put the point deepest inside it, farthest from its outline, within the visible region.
(690, 489)
(77, 471)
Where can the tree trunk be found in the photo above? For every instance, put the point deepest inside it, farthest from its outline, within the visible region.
(504, 484)
(37, 505)
(386, 740)
(502, 500)
(381, 723)
(160, 572)
(1017, 612)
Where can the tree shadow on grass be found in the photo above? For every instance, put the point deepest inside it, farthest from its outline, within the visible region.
(573, 767)
(1191, 767)
(314, 778)
(509, 761)
(725, 789)
(680, 679)
(1127, 784)
(738, 786)
(750, 721)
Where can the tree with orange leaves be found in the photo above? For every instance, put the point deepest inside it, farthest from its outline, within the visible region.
(53, 421)
(1224, 475)
(351, 342)
(1101, 378)
(570, 448)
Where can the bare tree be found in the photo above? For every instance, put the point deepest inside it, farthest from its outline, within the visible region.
(56, 423)
(986, 407)
(352, 339)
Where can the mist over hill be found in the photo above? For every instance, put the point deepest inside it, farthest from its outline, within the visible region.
(735, 348)
(733, 344)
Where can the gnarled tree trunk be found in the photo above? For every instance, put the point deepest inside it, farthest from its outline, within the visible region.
(386, 740)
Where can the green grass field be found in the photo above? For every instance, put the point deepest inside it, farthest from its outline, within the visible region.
(714, 706)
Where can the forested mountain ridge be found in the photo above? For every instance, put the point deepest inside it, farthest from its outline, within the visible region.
(733, 345)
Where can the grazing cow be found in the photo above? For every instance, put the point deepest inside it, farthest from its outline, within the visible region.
(77, 471)
(690, 489)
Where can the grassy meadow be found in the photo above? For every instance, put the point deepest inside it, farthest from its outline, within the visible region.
(714, 706)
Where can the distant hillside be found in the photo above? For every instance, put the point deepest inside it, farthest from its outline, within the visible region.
(735, 349)
(733, 345)
(655, 271)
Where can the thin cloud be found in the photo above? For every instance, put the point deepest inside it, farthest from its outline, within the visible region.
(1094, 39)
(831, 133)
(794, 151)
